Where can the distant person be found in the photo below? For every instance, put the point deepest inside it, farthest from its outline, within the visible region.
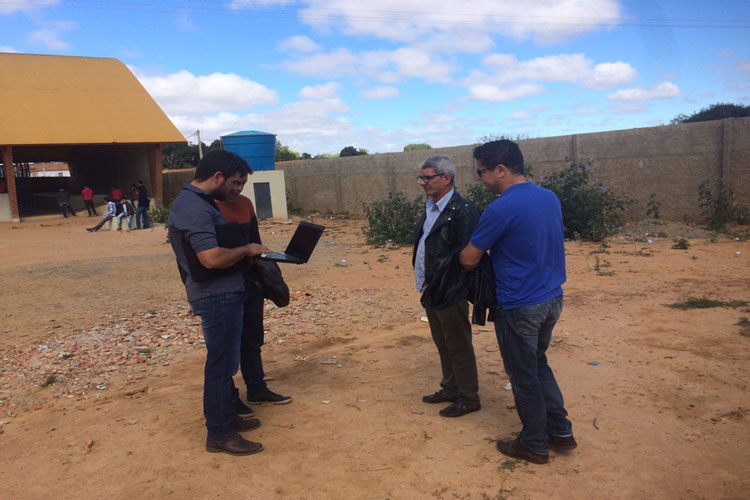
(88, 200)
(239, 209)
(109, 214)
(215, 288)
(116, 194)
(523, 231)
(127, 212)
(63, 201)
(444, 229)
(144, 202)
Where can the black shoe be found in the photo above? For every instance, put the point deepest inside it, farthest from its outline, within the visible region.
(562, 444)
(459, 409)
(246, 424)
(242, 410)
(438, 397)
(268, 398)
(90, 229)
(513, 448)
(234, 445)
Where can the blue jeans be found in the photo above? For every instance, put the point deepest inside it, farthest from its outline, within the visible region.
(221, 319)
(251, 363)
(523, 335)
(130, 220)
(141, 213)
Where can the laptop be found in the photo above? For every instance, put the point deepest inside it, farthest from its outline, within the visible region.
(301, 245)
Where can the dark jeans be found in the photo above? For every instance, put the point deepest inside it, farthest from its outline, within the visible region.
(64, 207)
(90, 207)
(141, 213)
(251, 363)
(102, 222)
(523, 335)
(221, 319)
(451, 332)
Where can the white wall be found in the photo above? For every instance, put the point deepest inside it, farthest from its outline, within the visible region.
(4, 208)
(275, 178)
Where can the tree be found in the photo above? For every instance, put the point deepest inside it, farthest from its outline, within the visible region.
(717, 111)
(180, 156)
(415, 147)
(284, 153)
(352, 151)
(305, 156)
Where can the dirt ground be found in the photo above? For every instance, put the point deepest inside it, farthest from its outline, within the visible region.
(658, 396)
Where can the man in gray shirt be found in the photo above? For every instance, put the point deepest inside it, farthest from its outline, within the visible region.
(215, 288)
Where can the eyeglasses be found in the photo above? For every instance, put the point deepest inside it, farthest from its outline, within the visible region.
(427, 178)
(480, 171)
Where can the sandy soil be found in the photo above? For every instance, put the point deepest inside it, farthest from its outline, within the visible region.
(664, 414)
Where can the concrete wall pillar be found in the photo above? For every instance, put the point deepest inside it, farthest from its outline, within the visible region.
(10, 179)
(153, 152)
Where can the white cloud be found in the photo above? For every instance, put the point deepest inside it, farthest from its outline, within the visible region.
(743, 66)
(48, 36)
(471, 23)
(7, 48)
(664, 90)
(494, 93)
(11, 6)
(326, 91)
(299, 43)
(586, 110)
(380, 93)
(247, 4)
(520, 116)
(184, 93)
(573, 68)
(385, 66)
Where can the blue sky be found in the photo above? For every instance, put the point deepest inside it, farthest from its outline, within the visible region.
(379, 75)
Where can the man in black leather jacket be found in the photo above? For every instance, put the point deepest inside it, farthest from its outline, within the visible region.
(444, 228)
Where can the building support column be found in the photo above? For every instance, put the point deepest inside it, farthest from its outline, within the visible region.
(10, 179)
(155, 170)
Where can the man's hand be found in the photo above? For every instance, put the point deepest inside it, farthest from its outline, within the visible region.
(254, 250)
(469, 257)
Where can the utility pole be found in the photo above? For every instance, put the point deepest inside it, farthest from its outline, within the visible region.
(200, 145)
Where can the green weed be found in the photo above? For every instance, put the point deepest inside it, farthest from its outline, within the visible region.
(705, 303)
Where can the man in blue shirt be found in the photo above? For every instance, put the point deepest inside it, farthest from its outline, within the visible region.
(441, 232)
(216, 291)
(523, 231)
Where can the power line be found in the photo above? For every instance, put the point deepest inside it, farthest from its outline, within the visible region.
(391, 16)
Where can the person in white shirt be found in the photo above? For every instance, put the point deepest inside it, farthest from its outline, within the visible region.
(109, 214)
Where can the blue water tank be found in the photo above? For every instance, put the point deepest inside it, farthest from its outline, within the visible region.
(257, 148)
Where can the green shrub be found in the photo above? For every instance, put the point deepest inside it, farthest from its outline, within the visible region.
(478, 195)
(392, 219)
(720, 209)
(653, 206)
(590, 210)
(159, 213)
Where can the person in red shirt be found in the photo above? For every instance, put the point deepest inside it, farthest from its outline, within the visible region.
(241, 210)
(116, 194)
(88, 200)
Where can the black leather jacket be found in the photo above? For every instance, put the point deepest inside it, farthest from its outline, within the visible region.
(451, 232)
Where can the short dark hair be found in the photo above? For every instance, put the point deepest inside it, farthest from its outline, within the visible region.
(222, 161)
(493, 153)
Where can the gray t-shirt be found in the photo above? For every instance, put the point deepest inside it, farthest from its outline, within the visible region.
(194, 211)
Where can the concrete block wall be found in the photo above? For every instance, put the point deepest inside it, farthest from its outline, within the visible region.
(669, 161)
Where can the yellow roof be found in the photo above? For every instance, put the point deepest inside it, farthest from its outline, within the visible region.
(76, 100)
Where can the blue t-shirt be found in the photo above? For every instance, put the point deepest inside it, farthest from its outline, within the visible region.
(523, 230)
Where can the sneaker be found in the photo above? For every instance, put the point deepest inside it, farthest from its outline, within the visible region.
(268, 397)
(459, 409)
(438, 397)
(562, 444)
(514, 448)
(242, 410)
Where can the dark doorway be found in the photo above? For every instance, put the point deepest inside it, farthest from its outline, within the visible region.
(262, 192)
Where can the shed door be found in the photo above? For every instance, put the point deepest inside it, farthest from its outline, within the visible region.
(263, 200)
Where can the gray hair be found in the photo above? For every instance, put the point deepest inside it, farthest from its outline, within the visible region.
(441, 164)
